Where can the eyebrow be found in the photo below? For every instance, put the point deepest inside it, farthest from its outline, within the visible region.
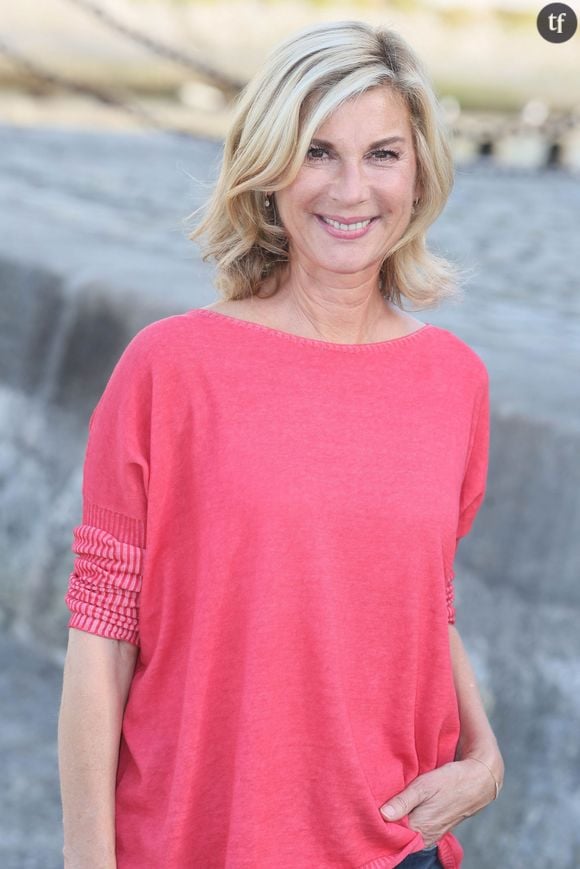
(389, 141)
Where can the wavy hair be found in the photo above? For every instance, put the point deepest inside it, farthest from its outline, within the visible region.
(302, 81)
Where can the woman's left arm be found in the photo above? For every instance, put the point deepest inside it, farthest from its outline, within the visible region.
(439, 800)
(477, 739)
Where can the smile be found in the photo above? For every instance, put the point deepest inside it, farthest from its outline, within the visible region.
(345, 230)
(338, 225)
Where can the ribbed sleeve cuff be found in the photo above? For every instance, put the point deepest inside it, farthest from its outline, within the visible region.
(125, 528)
(105, 584)
(450, 597)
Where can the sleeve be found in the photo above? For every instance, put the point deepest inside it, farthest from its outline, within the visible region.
(109, 543)
(474, 477)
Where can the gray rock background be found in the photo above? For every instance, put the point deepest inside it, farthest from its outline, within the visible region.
(92, 247)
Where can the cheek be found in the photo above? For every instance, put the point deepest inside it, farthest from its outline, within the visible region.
(306, 189)
(401, 192)
(297, 210)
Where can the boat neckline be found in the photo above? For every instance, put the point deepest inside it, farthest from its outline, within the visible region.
(316, 342)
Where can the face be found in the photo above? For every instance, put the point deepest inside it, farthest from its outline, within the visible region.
(360, 169)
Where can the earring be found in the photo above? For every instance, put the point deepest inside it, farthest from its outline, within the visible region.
(267, 201)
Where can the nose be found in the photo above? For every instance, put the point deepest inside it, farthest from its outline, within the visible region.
(350, 185)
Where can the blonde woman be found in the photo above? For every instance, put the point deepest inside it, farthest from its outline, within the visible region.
(263, 669)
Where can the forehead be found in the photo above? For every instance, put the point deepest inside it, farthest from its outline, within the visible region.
(376, 113)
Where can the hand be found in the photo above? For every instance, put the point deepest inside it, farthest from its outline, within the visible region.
(438, 800)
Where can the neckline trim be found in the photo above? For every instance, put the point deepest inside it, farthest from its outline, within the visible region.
(316, 342)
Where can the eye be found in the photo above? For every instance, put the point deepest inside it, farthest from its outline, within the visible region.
(384, 154)
(318, 152)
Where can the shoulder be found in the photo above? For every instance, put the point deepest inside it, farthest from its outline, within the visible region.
(160, 333)
(150, 357)
(159, 342)
(465, 361)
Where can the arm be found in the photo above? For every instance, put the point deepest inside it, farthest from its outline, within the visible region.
(439, 800)
(96, 681)
(477, 739)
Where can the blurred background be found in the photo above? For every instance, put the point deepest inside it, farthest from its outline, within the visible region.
(112, 116)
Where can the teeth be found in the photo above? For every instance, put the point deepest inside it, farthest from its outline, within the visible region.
(346, 226)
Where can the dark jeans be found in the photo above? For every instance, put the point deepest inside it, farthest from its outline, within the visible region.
(425, 859)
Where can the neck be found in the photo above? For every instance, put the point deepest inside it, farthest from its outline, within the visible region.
(349, 313)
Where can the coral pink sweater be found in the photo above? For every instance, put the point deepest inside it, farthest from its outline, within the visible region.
(273, 521)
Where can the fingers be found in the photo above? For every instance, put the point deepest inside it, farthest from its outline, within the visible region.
(402, 804)
(435, 802)
(417, 792)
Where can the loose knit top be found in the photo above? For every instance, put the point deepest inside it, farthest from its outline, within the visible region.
(273, 521)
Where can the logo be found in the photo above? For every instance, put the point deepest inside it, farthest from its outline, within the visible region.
(557, 22)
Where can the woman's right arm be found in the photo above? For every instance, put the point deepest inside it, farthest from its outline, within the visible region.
(96, 680)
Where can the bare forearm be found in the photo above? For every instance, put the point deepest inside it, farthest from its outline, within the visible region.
(477, 738)
(93, 698)
(436, 801)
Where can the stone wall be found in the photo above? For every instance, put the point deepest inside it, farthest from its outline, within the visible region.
(93, 246)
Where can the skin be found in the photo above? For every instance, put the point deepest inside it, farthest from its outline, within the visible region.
(330, 289)
(96, 681)
(350, 180)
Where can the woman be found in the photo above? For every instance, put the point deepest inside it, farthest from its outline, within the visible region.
(263, 668)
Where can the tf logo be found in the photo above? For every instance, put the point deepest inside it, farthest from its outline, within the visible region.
(557, 22)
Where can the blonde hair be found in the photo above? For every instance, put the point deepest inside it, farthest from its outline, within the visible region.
(303, 80)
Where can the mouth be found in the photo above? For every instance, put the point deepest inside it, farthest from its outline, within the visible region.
(346, 230)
